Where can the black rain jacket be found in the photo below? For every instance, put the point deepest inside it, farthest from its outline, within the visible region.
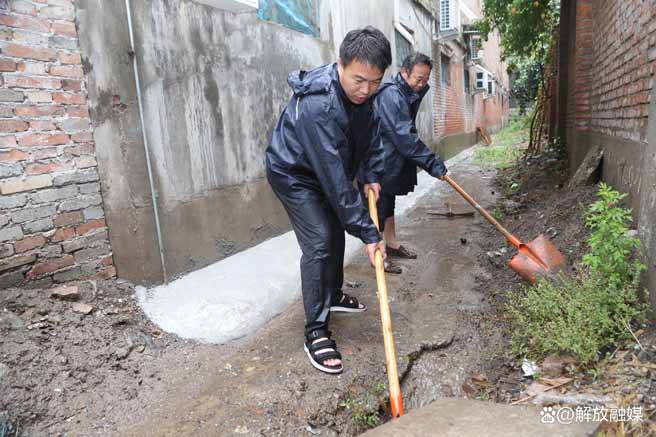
(396, 105)
(321, 142)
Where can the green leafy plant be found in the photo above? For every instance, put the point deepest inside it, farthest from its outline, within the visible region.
(364, 411)
(611, 246)
(584, 314)
(497, 214)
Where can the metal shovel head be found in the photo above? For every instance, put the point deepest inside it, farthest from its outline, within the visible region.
(537, 258)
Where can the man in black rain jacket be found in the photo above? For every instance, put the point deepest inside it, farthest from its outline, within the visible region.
(325, 135)
(396, 104)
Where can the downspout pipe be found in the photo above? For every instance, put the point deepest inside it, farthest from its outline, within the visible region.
(399, 27)
(145, 143)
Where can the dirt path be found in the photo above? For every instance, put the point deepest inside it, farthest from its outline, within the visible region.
(265, 385)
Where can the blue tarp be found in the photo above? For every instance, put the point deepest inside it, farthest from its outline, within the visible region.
(299, 15)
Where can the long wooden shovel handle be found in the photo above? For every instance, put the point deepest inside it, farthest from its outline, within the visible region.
(396, 399)
(510, 237)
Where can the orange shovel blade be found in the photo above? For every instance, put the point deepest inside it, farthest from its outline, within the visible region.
(537, 258)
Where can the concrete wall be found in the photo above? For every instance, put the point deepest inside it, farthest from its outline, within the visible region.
(213, 86)
(52, 222)
(610, 62)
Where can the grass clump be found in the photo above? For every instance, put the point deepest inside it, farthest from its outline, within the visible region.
(586, 313)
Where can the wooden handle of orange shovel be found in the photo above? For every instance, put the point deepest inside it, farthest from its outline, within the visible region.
(510, 237)
(396, 399)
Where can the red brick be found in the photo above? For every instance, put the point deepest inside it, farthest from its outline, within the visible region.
(81, 112)
(50, 266)
(34, 169)
(14, 156)
(66, 70)
(43, 140)
(25, 23)
(65, 3)
(39, 97)
(45, 153)
(42, 125)
(21, 51)
(70, 58)
(30, 243)
(106, 273)
(69, 218)
(107, 261)
(23, 7)
(89, 226)
(71, 85)
(40, 111)
(81, 149)
(7, 126)
(69, 99)
(7, 141)
(32, 82)
(82, 137)
(7, 65)
(64, 29)
(6, 34)
(36, 68)
(63, 234)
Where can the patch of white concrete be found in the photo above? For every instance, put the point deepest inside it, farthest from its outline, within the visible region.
(235, 296)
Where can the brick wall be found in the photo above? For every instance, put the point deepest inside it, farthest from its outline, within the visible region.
(614, 63)
(52, 223)
(458, 111)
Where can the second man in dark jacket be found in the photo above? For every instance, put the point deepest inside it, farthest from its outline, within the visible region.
(397, 104)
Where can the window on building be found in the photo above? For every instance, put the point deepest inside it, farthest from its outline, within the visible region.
(475, 47)
(445, 73)
(480, 80)
(403, 47)
(465, 80)
(490, 87)
(299, 15)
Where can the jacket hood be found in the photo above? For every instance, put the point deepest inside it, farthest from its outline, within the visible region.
(316, 81)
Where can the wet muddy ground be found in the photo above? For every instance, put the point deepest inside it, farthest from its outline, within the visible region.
(112, 372)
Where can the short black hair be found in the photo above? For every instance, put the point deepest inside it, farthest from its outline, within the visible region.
(368, 45)
(416, 58)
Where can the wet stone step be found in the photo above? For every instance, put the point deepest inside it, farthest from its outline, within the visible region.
(469, 418)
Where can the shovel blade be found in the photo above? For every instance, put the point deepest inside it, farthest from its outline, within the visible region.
(539, 257)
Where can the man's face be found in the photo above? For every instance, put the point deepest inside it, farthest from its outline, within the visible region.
(359, 80)
(418, 77)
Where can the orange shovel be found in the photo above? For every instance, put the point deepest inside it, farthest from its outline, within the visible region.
(537, 258)
(396, 399)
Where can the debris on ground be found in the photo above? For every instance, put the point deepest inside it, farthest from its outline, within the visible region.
(623, 382)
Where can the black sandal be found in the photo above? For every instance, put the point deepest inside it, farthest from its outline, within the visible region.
(348, 304)
(391, 267)
(322, 351)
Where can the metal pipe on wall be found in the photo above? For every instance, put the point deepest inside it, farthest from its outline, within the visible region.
(145, 142)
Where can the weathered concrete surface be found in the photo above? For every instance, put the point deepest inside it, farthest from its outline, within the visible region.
(469, 418)
(105, 46)
(647, 215)
(622, 163)
(213, 86)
